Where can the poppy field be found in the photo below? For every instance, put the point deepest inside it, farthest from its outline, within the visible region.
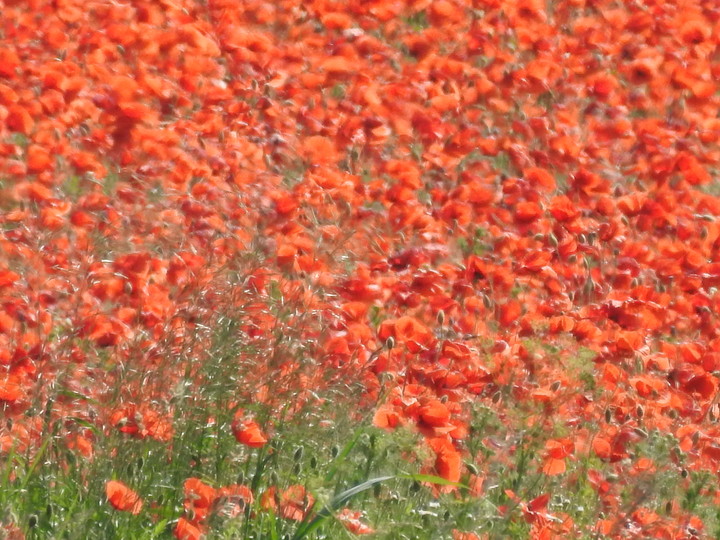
(395, 269)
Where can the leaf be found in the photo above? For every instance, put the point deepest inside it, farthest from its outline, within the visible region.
(84, 423)
(159, 528)
(431, 479)
(273, 528)
(275, 292)
(77, 395)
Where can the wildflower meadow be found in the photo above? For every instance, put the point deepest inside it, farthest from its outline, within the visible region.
(327, 269)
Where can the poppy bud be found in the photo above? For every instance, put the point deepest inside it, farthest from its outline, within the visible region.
(441, 317)
(297, 456)
(553, 240)
(555, 386)
(334, 451)
(639, 411)
(32, 521)
(608, 416)
(684, 473)
(390, 343)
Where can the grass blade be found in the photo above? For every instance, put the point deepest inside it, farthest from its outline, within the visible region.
(338, 501)
(431, 479)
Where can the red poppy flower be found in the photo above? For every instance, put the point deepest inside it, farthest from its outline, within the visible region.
(249, 433)
(351, 521)
(185, 530)
(294, 503)
(122, 497)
